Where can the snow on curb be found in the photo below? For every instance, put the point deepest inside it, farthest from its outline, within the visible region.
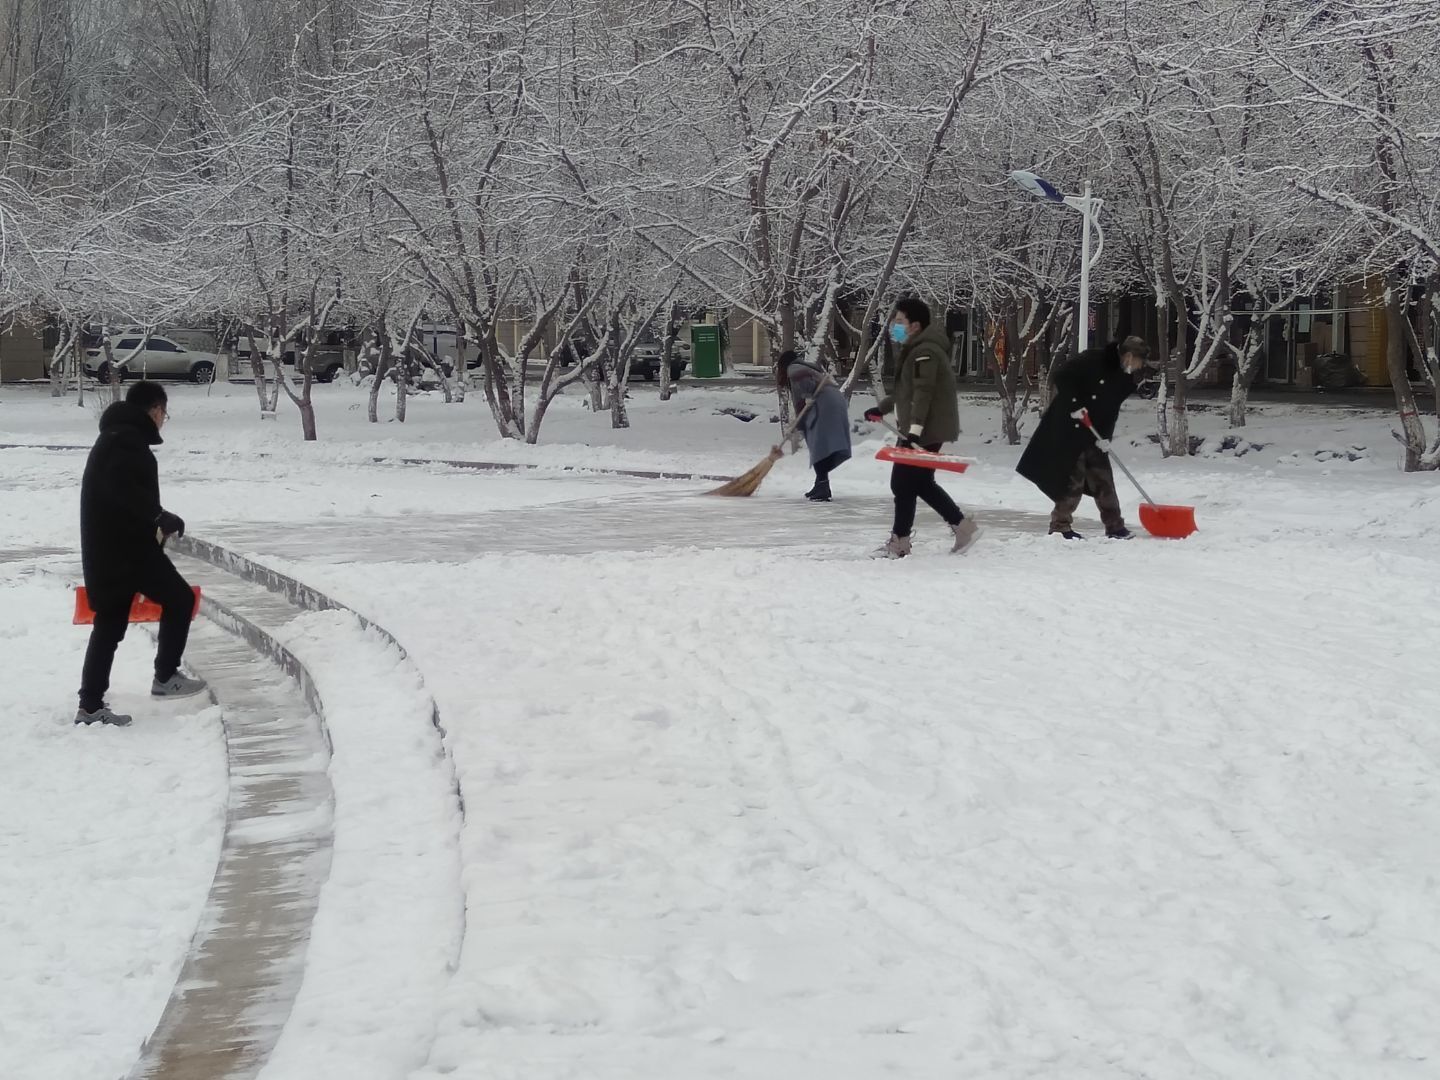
(390, 925)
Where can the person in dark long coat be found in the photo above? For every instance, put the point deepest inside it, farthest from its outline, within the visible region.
(825, 425)
(1063, 460)
(122, 528)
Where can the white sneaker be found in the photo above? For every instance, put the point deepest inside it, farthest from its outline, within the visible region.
(897, 547)
(966, 533)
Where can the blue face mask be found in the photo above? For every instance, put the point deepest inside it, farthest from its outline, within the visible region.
(899, 332)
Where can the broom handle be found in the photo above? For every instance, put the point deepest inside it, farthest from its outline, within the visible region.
(1105, 445)
(796, 422)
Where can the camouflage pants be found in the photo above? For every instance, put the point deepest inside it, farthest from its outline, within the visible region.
(1091, 476)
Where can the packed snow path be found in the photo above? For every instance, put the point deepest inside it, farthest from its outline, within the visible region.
(246, 963)
(644, 521)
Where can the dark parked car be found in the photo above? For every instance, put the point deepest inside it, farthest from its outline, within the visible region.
(646, 361)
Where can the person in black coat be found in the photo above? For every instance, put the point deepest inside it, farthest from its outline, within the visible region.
(122, 530)
(1063, 459)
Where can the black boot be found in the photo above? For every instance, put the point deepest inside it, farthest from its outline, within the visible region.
(1121, 533)
(820, 492)
(1068, 534)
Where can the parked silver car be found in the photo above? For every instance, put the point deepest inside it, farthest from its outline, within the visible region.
(150, 358)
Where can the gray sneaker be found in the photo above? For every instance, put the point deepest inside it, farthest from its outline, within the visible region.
(966, 533)
(102, 715)
(897, 547)
(177, 686)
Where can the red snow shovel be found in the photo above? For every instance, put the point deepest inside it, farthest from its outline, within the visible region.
(1168, 522)
(919, 456)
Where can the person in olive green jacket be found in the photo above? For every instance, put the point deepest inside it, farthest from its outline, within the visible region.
(929, 416)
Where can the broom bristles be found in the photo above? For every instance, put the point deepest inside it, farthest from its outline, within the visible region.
(747, 482)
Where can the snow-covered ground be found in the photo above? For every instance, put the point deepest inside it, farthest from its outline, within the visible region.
(741, 802)
(108, 841)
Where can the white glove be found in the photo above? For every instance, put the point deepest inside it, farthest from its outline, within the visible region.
(1078, 414)
(916, 430)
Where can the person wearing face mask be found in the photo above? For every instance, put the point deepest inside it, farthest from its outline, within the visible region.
(924, 404)
(1063, 459)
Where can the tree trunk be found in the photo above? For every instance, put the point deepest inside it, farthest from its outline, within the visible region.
(1180, 411)
(77, 355)
(382, 369)
(1397, 349)
(112, 377)
(595, 386)
(876, 365)
(1176, 441)
(1162, 413)
(257, 370)
(497, 390)
(270, 403)
(1244, 376)
(1239, 397)
(57, 363)
(1007, 358)
(532, 433)
(672, 330)
(456, 391)
(1058, 345)
(307, 419)
(402, 387)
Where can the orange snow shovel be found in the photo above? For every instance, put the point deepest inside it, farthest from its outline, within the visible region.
(142, 608)
(1167, 522)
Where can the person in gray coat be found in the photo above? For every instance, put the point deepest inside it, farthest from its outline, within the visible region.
(826, 426)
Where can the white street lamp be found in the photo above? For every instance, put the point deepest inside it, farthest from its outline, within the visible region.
(1089, 208)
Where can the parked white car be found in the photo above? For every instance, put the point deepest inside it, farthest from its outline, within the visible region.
(150, 358)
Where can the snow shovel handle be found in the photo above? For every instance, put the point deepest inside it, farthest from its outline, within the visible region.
(897, 432)
(1104, 444)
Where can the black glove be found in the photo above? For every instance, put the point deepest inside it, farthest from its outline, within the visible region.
(170, 524)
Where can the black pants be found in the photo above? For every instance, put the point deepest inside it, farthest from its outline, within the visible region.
(910, 483)
(160, 581)
(828, 464)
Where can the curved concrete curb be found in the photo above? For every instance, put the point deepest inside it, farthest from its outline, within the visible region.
(312, 599)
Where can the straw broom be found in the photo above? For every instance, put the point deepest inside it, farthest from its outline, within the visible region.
(746, 483)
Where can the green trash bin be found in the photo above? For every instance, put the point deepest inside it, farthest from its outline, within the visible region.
(705, 361)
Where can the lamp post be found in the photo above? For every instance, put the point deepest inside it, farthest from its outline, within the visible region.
(1089, 208)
